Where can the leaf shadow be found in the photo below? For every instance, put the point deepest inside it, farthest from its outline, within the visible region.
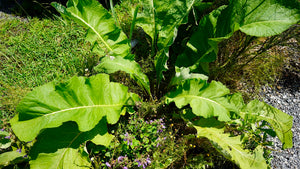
(65, 136)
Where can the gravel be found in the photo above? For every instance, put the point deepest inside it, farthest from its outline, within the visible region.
(286, 97)
(287, 101)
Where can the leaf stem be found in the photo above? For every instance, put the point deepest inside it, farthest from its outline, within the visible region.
(133, 22)
(113, 13)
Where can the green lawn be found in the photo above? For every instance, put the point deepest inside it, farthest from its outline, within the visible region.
(36, 52)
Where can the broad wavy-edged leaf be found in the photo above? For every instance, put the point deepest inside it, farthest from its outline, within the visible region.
(269, 17)
(253, 17)
(231, 147)
(58, 148)
(206, 99)
(237, 100)
(101, 26)
(160, 20)
(83, 100)
(62, 158)
(280, 122)
(183, 74)
(114, 64)
(258, 17)
(11, 157)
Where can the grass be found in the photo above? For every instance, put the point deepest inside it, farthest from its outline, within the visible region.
(35, 52)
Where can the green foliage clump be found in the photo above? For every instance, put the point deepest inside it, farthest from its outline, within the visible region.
(75, 124)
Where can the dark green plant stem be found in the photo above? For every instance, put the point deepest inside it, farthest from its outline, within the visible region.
(49, 13)
(133, 22)
(271, 42)
(241, 50)
(113, 13)
(21, 7)
(155, 35)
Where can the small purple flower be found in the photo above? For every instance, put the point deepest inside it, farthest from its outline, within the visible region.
(148, 160)
(139, 162)
(25, 156)
(159, 131)
(108, 165)
(2, 129)
(128, 139)
(143, 162)
(125, 167)
(19, 150)
(121, 158)
(7, 137)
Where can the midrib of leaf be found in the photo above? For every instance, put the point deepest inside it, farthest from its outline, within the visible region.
(64, 152)
(253, 10)
(82, 107)
(229, 145)
(203, 99)
(90, 26)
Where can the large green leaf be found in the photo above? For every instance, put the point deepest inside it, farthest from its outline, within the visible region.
(258, 17)
(83, 100)
(114, 64)
(231, 147)
(62, 158)
(160, 20)
(256, 111)
(11, 157)
(268, 17)
(253, 17)
(59, 147)
(207, 100)
(200, 47)
(101, 26)
(280, 122)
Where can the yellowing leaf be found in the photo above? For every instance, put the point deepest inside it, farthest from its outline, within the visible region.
(231, 148)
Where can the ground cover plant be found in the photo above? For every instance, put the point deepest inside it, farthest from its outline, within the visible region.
(169, 101)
